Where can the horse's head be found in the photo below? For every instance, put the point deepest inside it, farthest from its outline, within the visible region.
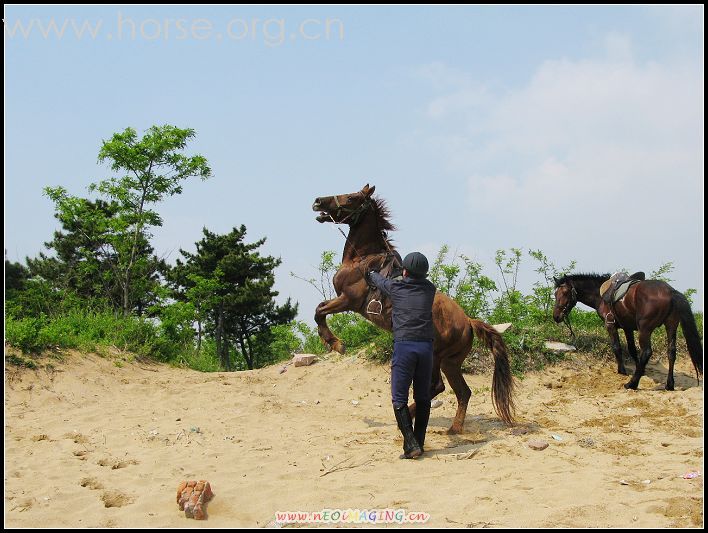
(566, 298)
(343, 208)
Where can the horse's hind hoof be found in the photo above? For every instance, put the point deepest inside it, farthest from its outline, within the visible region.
(630, 386)
(454, 431)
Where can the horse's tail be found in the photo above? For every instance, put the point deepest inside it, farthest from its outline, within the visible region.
(690, 331)
(503, 380)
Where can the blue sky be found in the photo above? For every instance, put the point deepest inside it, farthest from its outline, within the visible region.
(574, 130)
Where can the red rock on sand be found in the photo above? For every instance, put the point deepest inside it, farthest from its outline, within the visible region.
(192, 497)
(537, 445)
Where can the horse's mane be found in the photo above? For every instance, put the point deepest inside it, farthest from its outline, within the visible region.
(383, 213)
(383, 219)
(575, 278)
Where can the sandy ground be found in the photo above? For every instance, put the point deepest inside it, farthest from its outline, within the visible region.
(94, 442)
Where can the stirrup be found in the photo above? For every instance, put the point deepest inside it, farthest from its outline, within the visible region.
(375, 310)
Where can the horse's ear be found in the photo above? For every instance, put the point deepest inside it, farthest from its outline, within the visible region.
(555, 281)
(369, 190)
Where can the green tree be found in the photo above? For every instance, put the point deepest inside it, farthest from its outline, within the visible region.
(153, 168)
(232, 285)
(202, 295)
(16, 275)
(463, 282)
(86, 262)
(82, 258)
(511, 305)
(24, 296)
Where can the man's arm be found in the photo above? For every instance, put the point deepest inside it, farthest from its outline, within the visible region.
(382, 283)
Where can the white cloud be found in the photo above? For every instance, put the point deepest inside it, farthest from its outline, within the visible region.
(595, 160)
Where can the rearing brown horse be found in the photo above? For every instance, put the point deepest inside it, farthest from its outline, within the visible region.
(646, 306)
(367, 247)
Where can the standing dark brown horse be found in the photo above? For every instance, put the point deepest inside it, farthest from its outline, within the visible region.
(646, 306)
(367, 247)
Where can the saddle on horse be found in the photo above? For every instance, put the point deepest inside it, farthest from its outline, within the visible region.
(614, 289)
(392, 268)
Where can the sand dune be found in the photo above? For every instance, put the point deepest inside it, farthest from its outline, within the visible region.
(93, 442)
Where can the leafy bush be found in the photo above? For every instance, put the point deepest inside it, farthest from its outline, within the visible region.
(353, 330)
(284, 343)
(24, 333)
(463, 282)
(311, 342)
(204, 360)
(87, 330)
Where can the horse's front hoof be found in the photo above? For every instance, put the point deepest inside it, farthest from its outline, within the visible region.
(669, 387)
(622, 371)
(338, 347)
(630, 385)
(454, 431)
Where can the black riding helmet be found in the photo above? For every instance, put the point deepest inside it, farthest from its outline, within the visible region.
(416, 264)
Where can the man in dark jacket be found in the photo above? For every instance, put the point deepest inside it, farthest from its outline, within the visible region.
(413, 332)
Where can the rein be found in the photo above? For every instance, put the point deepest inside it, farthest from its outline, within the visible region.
(568, 307)
(566, 321)
(346, 238)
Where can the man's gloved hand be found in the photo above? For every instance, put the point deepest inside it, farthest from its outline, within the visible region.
(368, 279)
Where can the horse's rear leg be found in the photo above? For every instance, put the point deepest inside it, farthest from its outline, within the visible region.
(452, 367)
(671, 327)
(631, 346)
(645, 355)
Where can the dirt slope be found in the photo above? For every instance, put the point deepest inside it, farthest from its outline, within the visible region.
(99, 443)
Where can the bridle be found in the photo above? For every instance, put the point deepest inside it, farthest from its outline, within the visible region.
(565, 310)
(570, 303)
(354, 213)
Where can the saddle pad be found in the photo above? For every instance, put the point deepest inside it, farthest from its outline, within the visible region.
(605, 286)
(622, 290)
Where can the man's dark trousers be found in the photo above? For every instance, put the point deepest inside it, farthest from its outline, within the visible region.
(412, 362)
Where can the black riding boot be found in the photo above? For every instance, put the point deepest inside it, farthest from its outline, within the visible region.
(422, 415)
(411, 449)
